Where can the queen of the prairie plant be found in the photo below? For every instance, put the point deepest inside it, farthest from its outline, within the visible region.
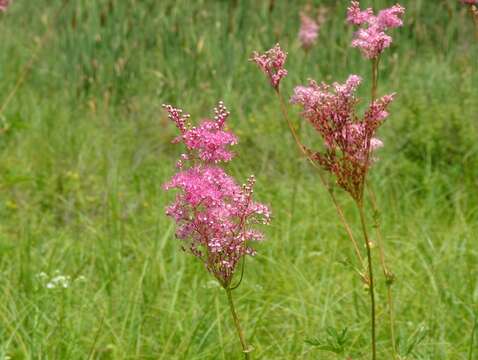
(216, 218)
(348, 138)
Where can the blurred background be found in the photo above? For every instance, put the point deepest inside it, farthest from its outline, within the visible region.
(89, 266)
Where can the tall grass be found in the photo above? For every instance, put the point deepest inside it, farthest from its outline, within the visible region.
(85, 149)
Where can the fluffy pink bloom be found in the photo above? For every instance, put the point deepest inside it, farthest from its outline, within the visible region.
(309, 31)
(372, 39)
(470, 2)
(4, 4)
(272, 64)
(215, 216)
(348, 138)
(209, 139)
(356, 16)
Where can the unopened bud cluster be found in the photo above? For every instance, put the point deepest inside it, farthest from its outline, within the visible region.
(272, 64)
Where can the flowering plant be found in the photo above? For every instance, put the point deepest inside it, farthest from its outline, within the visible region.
(348, 138)
(215, 217)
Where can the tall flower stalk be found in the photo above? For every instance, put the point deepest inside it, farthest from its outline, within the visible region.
(215, 217)
(372, 40)
(348, 143)
(349, 138)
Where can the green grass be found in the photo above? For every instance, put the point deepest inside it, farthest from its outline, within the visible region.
(87, 147)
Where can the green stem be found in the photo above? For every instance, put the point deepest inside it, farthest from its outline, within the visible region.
(370, 278)
(389, 277)
(392, 318)
(240, 333)
(271, 5)
(233, 287)
(232, 12)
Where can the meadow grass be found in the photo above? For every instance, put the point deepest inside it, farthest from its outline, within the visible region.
(86, 148)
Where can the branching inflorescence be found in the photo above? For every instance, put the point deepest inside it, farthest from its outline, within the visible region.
(347, 137)
(215, 216)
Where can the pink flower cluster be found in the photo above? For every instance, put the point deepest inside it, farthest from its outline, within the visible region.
(4, 4)
(215, 216)
(209, 139)
(470, 2)
(348, 139)
(272, 64)
(309, 31)
(373, 40)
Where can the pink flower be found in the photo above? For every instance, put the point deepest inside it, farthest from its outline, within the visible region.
(215, 217)
(272, 64)
(470, 2)
(4, 5)
(309, 31)
(348, 139)
(357, 17)
(391, 18)
(372, 40)
(209, 139)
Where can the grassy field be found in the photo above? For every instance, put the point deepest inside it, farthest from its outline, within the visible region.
(86, 147)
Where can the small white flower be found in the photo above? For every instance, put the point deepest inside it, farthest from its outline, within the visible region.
(59, 281)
